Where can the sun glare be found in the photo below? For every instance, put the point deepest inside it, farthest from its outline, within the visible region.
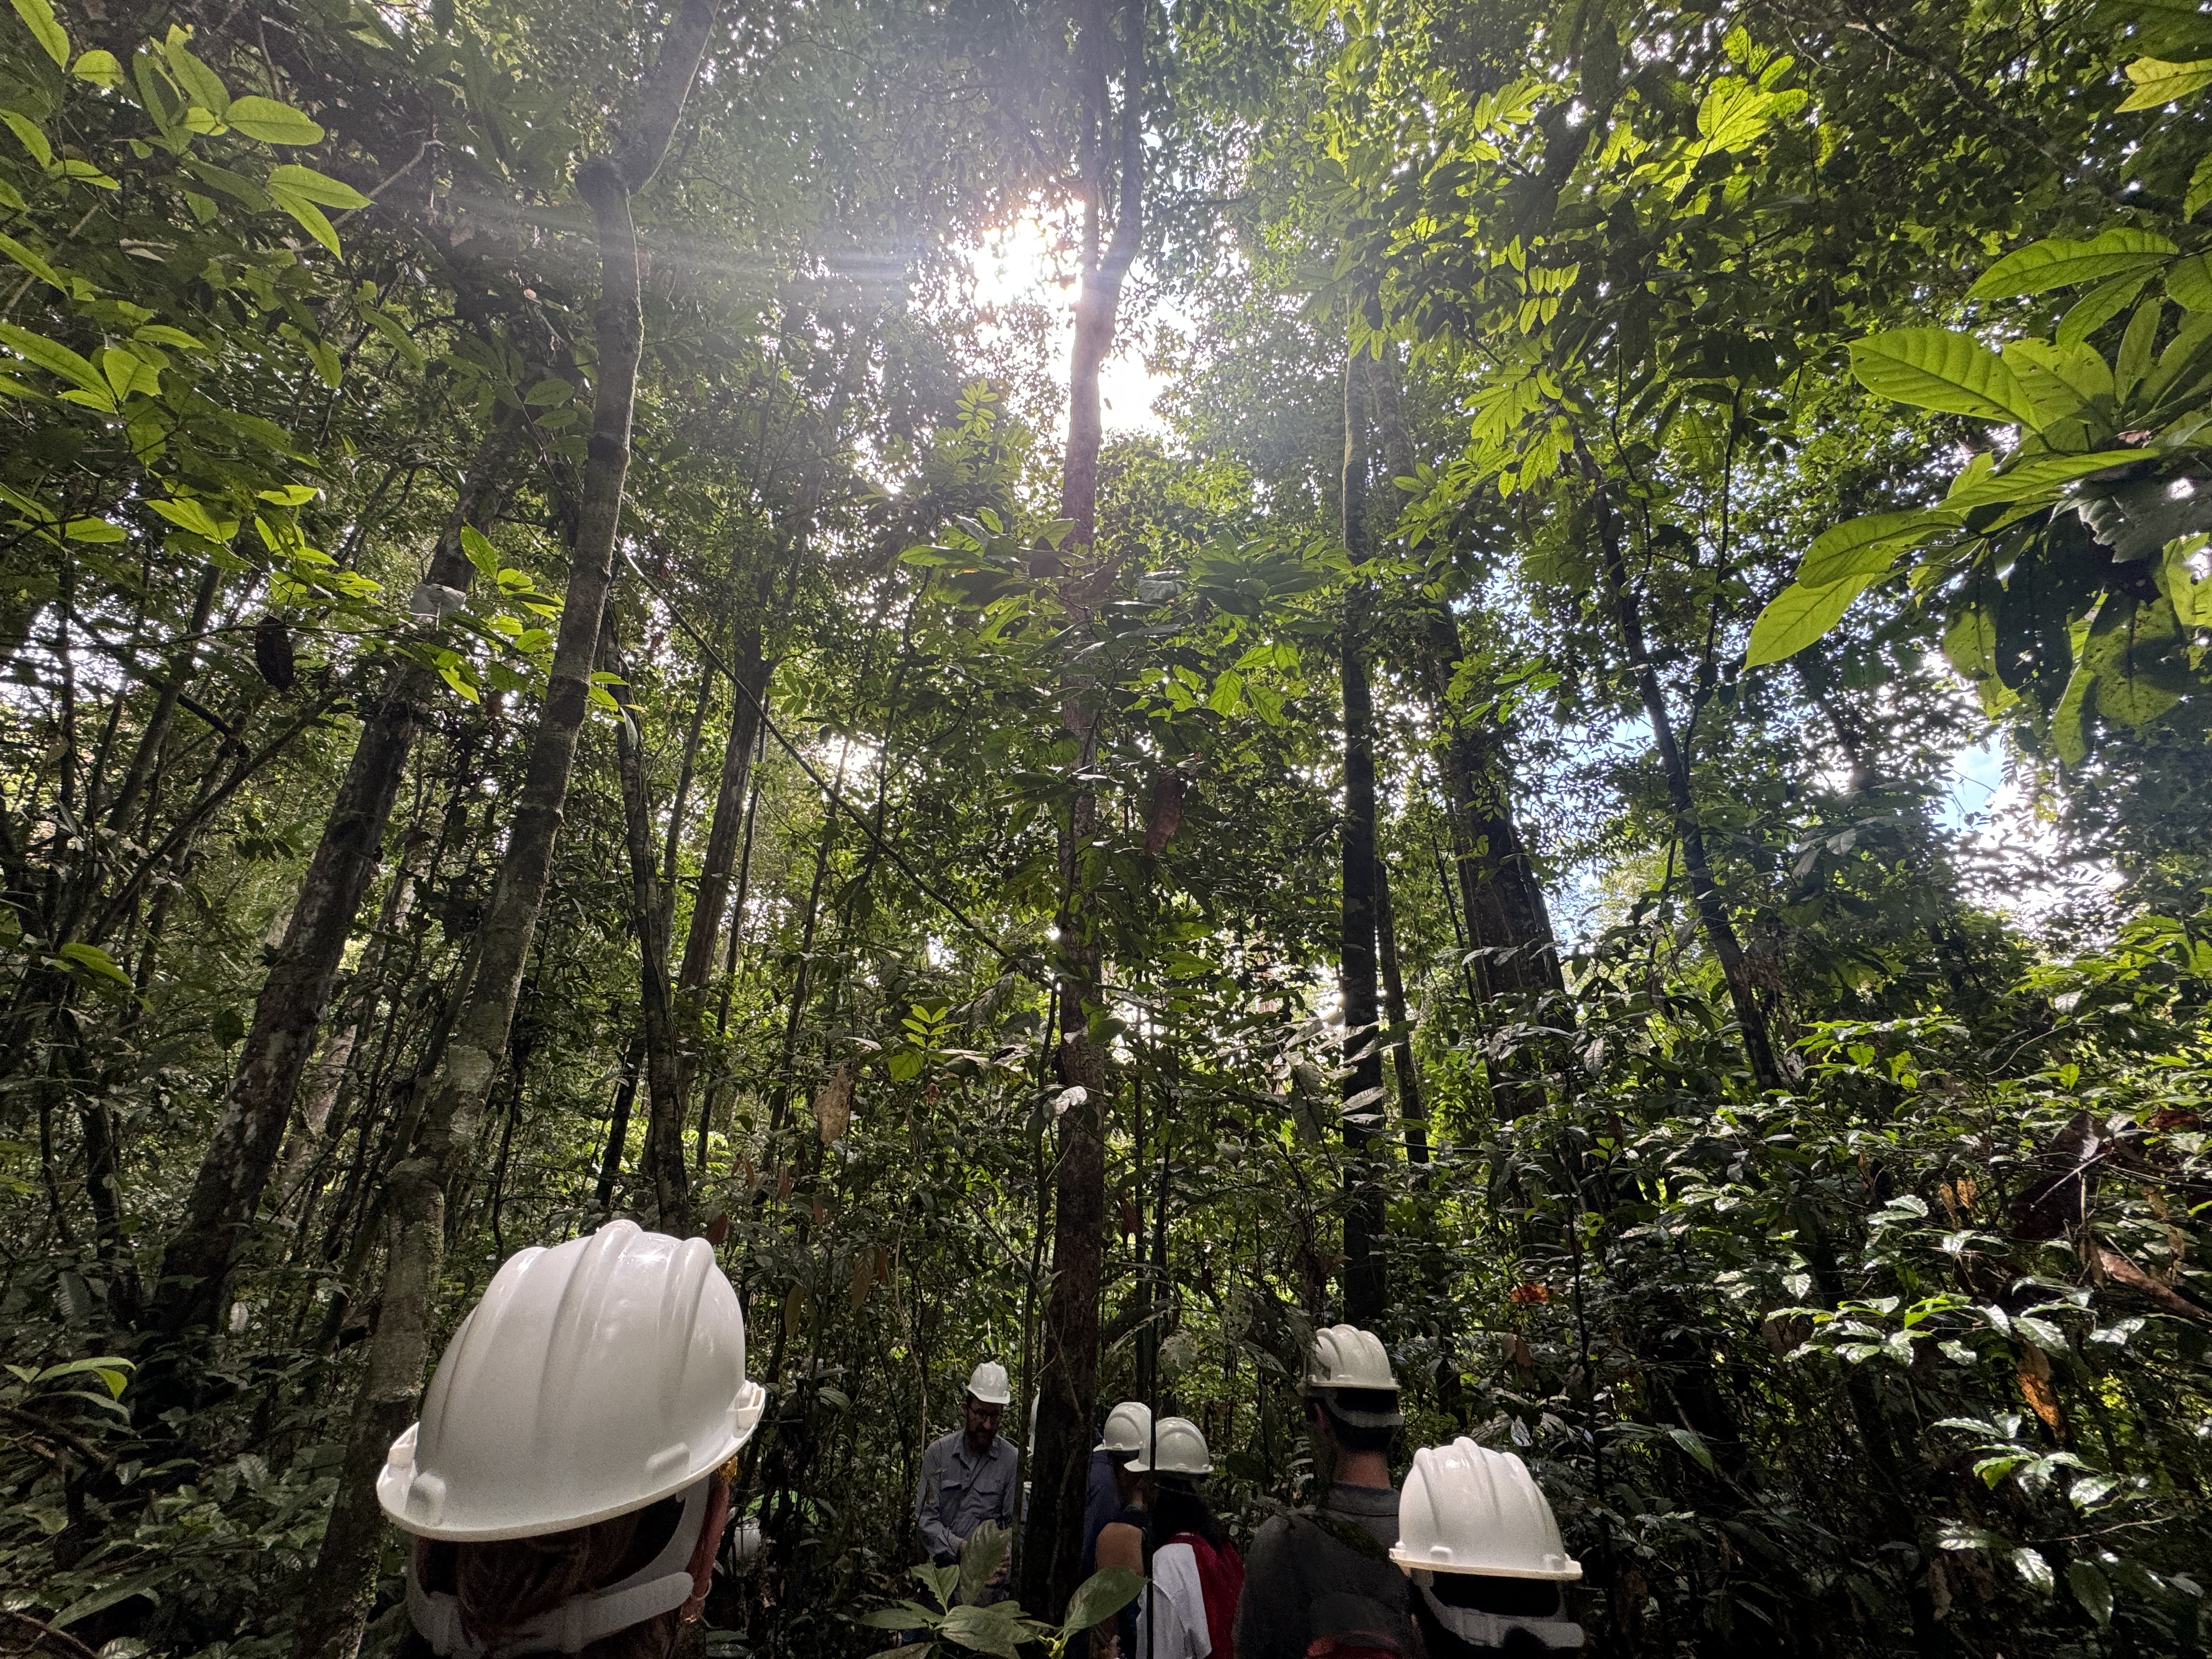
(1034, 261)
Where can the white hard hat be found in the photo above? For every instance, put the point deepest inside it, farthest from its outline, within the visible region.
(1174, 1446)
(1345, 1357)
(1129, 1427)
(987, 1384)
(593, 1379)
(1468, 1509)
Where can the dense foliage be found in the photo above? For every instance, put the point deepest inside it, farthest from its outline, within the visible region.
(565, 657)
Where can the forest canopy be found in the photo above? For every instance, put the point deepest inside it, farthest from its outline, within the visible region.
(1100, 682)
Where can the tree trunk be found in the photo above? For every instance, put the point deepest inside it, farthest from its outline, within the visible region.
(1052, 1548)
(603, 1195)
(662, 1162)
(1413, 1111)
(248, 1135)
(1712, 910)
(345, 1572)
(327, 1076)
(1366, 1289)
(726, 829)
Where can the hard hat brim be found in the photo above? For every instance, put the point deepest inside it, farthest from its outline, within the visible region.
(1412, 1564)
(396, 1480)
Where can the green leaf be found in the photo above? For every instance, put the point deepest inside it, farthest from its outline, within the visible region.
(2136, 347)
(52, 356)
(317, 187)
(1799, 615)
(2200, 187)
(94, 530)
(1101, 1595)
(995, 1630)
(201, 84)
(2184, 573)
(189, 515)
(1867, 546)
(1693, 1443)
(2061, 262)
(2091, 1589)
(39, 17)
(290, 495)
(2158, 81)
(30, 135)
(2031, 480)
(101, 68)
(981, 1557)
(272, 123)
(309, 216)
(31, 261)
(91, 959)
(2189, 282)
(547, 393)
(2098, 307)
(111, 1369)
(2031, 1566)
(908, 1615)
(140, 1584)
(1937, 368)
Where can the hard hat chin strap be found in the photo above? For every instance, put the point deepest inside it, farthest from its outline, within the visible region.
(662, 1585)
(1489, 1630)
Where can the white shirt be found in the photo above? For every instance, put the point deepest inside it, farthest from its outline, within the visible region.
(1172, 1609)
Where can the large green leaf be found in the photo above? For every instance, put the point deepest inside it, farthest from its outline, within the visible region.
(2033, 479)
(39, 17)
(1799, 615)
(1101, 1595)
(1937, 368)
(1867, 546)
(2158, 82)
(997, 1629)
(272, 123)
(2090, 1590)
(53, 356)
(2061, 262)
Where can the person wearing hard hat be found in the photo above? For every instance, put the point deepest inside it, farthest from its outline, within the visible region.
(1112, 1488)
(568, 1482)
(968, 1475)
(1188, 1611)
(1482, 1546)
(1320, 1581)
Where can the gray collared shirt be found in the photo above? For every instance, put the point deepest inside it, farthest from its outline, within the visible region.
(960, 1491)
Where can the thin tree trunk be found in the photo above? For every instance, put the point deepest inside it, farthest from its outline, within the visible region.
(1052, 1551)
(327, 1077)
(248, 1136)
(1366, 1288)
(1712, 908)
(603, 1195)
(1413, 1110)
(662, 1162)
(726, 829)
(345, 1571)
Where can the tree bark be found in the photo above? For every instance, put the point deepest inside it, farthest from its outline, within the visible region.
(1413, 1111)
(1366, 1285)
(248, 1135)
(603, 1195)
(344, 1573)
(1704, 892)
(1052, 1548)
(326, 1078)
(663, 1133)
(726, 829)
